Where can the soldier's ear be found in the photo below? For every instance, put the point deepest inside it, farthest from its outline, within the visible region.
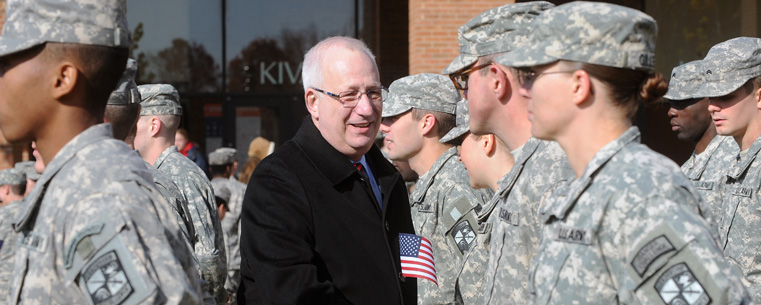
(487, 144)
(582, 87)
(154, 126)
(65, 79)
(428, 124)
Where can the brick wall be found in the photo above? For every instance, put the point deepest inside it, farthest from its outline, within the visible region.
(433, 30)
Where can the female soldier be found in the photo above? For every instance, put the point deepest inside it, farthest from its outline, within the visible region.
(628, 229)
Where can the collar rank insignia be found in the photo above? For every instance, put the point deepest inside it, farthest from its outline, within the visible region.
(464, 236)
(679, 286)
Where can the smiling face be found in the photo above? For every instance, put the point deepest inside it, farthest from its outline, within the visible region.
(690, 118)
(351, 131)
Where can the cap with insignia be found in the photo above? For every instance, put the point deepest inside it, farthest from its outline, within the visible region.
(497, 30)
(730, 64)
(126, 90)
(31, 23)
(423, 91)
(685, 81)
(12, 176)
(462, 125)
(589, 32)
(159, 99)
(27, 167)
(222, 156)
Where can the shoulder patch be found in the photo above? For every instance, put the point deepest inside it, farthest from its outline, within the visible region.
(650, 252)
(464, 236)
(106, 281)
(678, 285)
(82, 244)
(742, 191)
(573, 235)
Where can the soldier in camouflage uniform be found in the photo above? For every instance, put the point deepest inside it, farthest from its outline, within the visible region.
(692, 122)
(418, 112)
(487, 161)
(88, 232)
(628, 229)
(540, 166)
(733, 84)
(154, 138)
(222, 165)
(12, 184)
(27, 167)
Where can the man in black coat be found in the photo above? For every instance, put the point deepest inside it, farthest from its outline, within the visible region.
(322, 215)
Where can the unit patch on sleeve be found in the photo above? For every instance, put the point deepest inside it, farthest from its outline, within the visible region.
(650, 252)
(464, 236)
(106, 281)
(678, 286)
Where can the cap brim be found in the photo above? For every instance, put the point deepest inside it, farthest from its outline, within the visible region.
(9, 45)
(391, 108)
(460, 62)
(720, 88)
(528, 56)
(455, 133)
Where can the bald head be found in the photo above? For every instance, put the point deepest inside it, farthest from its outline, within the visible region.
(312, 69)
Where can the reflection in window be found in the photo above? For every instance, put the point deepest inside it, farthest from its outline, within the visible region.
(266, 40)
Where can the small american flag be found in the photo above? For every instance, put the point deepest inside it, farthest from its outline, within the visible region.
(417, 257)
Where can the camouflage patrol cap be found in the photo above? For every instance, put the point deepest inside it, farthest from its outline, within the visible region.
(423, 91)
(462, 125)
(27, 167)
(685, 81)
(497, 30)
(221, 189)
(730, 64)
(12, 176)
(159, 99)
(91, 22)
(126, 90)
(222, 156)
(589, 32)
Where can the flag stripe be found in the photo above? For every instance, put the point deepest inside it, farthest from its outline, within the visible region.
(420, 266)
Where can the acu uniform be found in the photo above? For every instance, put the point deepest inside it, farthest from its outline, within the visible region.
(89, 231)
(731, 64)
(497, 31)
(8, 236)
(442, 202)
(231, 222)
(706, 170)
(196, 188)
(629, 229)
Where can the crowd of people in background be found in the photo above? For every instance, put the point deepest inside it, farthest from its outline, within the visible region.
(515, 176)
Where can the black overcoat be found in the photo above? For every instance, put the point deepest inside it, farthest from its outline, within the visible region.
(312, 232)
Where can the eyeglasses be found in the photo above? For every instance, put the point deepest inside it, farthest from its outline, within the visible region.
(351, 98)
(528, 77)
(460, 80)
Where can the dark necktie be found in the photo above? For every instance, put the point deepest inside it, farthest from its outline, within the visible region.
(361, 170)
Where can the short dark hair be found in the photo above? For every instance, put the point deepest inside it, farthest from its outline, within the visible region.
(217, 170)
(100, 67)
(444, 121)
(122, 118)
(17, 189)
